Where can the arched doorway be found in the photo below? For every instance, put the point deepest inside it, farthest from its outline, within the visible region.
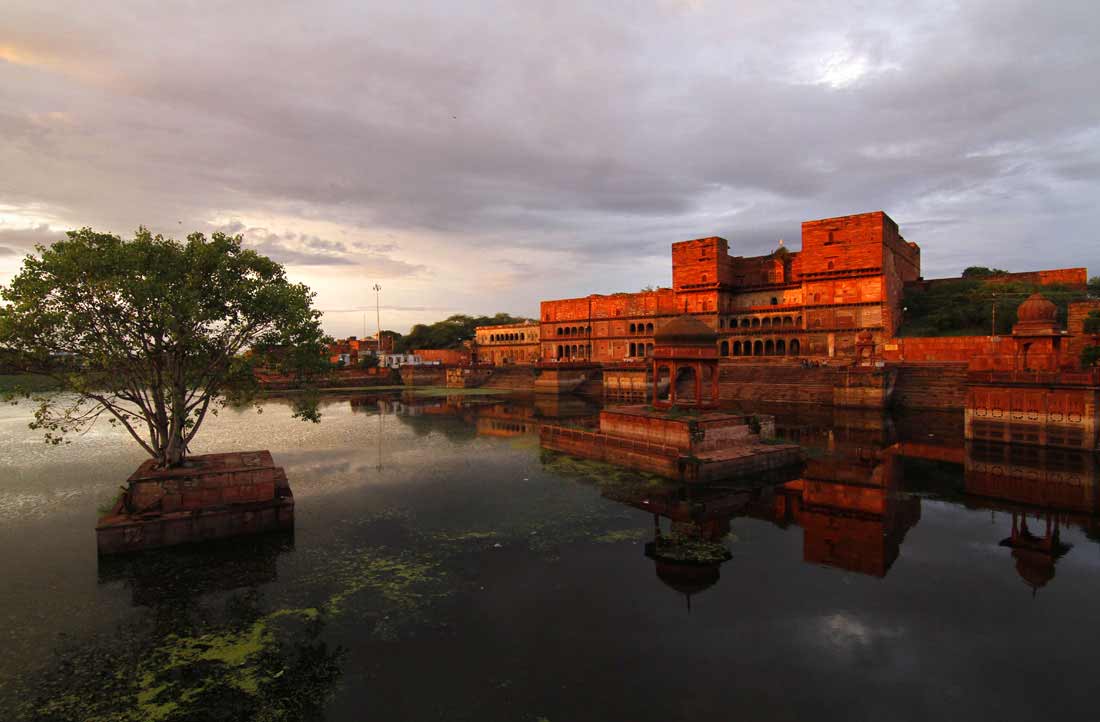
(780, 348)
(685, 383)
(725, 350)
(758, 348)
(794, 347)
(769, 348)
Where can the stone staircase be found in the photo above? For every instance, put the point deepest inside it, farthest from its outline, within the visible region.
(776, 380)
(930, 385)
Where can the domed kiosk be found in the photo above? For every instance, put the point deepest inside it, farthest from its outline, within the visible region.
(685, 365)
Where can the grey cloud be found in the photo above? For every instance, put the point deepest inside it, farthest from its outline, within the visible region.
(506, 126)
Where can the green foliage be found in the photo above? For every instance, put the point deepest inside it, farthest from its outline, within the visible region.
(1094, 286)
(1092, 322)
(782, 253)
(450, 332)
(157, 330)
(368, 361)
(964, 307)
(1090, 356)
(980, 272)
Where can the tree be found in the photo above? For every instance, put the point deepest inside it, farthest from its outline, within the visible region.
(1094, 286)
(158, 329)
(982, 272)
(1090, 356)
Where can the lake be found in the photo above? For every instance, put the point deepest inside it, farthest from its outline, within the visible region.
(443, 567)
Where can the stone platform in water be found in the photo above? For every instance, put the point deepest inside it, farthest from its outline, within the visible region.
(683, 445)
(215, 496)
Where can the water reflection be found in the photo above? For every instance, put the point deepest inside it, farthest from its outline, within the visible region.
(436, 543)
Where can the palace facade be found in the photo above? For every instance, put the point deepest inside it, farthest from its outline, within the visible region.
(847, 279)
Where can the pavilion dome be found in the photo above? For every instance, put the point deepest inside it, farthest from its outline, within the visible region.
(1037, 309)
(685, 330)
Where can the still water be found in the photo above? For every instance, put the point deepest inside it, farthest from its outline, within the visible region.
(444, 568)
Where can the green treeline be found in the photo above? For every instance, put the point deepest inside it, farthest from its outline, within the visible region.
(451, 332)
(964, 307)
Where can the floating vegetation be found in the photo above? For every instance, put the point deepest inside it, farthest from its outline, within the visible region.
(623, 535)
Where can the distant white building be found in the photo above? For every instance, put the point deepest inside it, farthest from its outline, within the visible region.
(397, 360)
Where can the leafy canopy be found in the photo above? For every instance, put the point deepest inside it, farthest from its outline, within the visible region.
(1094, 286)
(451, 332)
(152, 333)
(1092, 322)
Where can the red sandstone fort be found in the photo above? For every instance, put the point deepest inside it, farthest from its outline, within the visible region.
(848, 279)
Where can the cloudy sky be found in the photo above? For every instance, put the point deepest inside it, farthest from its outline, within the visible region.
(480, 156)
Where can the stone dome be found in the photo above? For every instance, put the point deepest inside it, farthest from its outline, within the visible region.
(685, 330)
(1036, 309)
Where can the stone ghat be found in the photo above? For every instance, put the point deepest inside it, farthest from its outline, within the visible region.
(786, 382)
(214, 497)
(687, 447)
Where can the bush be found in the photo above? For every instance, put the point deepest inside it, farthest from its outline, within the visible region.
(1094, 286)
(982, 272)
(1090, 356)
(1092, 322)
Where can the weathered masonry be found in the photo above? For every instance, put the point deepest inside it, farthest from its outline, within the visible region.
(847, 279)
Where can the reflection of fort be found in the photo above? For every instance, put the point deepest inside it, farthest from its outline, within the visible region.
(851, 511)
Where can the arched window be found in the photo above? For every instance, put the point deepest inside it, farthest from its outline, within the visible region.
(775, 301)
(788, 321)
(736, 348)
(632, 331)
(766, 322)
(745, 323)
(758, 348)
(769, 348)
(780, 348)
(755, 322)
(704, 278)
(649, 328)
(649, 349)
(794, 347)
(632, 349)
(559, 331)
(721, 323)
(725, 351)
(560, 351)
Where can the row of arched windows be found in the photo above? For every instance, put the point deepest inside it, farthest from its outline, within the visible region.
(641, 349)
(766, 322)
(769, 347)
(575, 351)
(574, 330)
(641, 328)
(507, 337)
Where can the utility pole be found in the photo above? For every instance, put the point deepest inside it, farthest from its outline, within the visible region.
(378, 315)
(993, 328)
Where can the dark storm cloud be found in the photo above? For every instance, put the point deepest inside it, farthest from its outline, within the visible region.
(604, 130)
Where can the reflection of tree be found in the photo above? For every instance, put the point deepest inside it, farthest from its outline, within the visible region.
(193, 663)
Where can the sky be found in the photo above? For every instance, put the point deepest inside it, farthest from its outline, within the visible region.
(476, 157)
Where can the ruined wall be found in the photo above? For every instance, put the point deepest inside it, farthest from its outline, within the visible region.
(443, 355)
(948, 349)
(1076, 278)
